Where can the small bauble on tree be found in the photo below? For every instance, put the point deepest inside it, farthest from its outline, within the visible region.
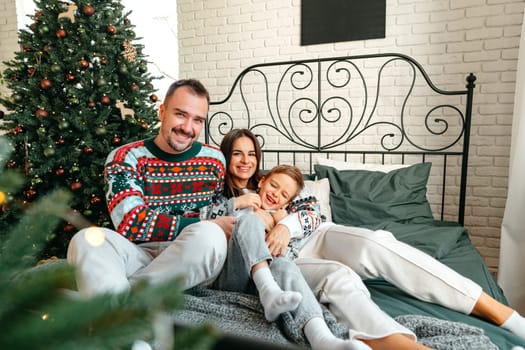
(45, 84)
(88, 10)
(61, 33)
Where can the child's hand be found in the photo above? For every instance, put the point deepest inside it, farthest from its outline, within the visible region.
(279, 214)
(248, 200)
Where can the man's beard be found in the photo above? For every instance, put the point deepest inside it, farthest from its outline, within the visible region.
(177, 147)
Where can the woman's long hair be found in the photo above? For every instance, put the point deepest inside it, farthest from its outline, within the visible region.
(230, 190)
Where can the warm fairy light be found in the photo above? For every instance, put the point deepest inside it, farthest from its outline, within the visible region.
(45, 317)
(95, 236)
(2, 197)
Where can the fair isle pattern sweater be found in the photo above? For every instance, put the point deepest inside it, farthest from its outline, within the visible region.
(152, 195)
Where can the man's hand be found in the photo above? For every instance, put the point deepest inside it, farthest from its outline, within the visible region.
(226, 223)
(277, 240)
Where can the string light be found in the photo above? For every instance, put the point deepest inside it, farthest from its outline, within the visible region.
(95, 236)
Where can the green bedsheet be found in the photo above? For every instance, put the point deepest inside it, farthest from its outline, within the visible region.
(451, 245)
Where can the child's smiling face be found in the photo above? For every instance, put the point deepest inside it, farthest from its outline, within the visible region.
(277, 191)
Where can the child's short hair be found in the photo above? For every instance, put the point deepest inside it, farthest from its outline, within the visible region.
(291, 171)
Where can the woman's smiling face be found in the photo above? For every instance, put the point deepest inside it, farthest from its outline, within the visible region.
(243, 161)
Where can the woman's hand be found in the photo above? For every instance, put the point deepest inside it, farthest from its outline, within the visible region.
(277, 240)
(248, 200)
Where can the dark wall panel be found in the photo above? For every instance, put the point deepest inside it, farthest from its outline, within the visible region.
(328, 21)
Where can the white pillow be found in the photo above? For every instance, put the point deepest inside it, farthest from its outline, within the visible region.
(342, 165)
(321, 190)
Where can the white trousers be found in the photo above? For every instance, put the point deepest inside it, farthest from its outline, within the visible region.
(347, 297)
(197, 255)
(378, 254)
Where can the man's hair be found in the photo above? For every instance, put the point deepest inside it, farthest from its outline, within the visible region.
(193, 84)
(291, 171)
(230, 190)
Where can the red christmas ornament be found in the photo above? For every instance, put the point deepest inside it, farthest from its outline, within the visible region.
(41, 113)
(38, 15)
(126, 21)
(70, 77)
(30, 193)
(116, 140)
(18, 129)
(45, 83)
(60, 141)
(111, 29)
(84, 64)
(61, 33)
(60, 171)
(103, 61)
(153, 98)
(77, 185)
(134, 87)
(88, 10)
(91, 104)
(87, 149)
(144, 126)
(105, 100)
(11, 164)
(30, 71)
(69, 228)
(95, 200)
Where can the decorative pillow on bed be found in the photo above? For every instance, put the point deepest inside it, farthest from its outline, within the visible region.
(321, 190)
(362, 197)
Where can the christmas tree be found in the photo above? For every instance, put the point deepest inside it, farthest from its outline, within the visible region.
(35, 313)
(79, 88)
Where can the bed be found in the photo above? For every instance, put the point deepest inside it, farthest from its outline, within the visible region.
(344, 121)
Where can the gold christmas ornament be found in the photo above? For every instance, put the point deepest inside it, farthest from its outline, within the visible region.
(69, 13)
(130, 53)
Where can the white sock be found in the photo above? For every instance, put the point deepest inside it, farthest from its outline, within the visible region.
(320, 337)
(516, 324)
(274, 300)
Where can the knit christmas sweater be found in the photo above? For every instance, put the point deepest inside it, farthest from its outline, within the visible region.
(152, 195)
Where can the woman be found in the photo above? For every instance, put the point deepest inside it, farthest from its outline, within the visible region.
(380, 256)
(243, 154)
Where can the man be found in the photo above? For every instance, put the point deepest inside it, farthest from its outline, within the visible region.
(155, 188)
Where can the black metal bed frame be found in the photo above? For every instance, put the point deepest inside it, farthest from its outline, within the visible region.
(335, 106)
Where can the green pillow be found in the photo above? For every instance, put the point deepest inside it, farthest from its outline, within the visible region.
(363, 197)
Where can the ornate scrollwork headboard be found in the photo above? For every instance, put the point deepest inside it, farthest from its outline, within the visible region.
(380, 108)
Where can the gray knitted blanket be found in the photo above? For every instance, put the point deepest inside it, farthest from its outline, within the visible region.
(242, 315)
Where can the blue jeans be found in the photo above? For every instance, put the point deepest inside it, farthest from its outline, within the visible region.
(246, 248)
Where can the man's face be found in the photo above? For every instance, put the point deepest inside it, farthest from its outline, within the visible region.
(182, 118)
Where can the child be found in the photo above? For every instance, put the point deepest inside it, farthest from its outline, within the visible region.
(250, 264)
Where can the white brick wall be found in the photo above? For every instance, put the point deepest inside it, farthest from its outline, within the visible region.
(8, 36)
(449, 37)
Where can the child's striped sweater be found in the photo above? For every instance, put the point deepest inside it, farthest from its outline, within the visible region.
(152, 195)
